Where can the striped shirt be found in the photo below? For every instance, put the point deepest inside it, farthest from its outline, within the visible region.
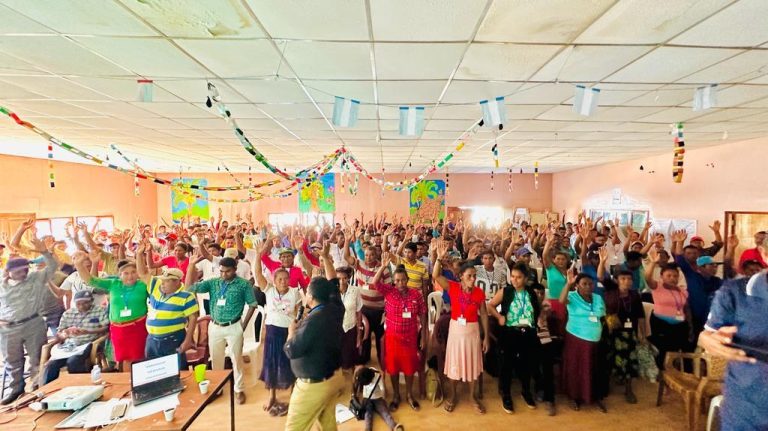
(417, 273)
(363, 277)
(95, 318)
(168, 314)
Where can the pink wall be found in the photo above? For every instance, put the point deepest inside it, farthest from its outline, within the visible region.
(736, 183)
(81, 190)
(465, 190)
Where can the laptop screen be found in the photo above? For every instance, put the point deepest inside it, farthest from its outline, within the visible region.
(152, 370)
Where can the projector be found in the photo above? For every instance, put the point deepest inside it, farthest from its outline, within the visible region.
(73, 397)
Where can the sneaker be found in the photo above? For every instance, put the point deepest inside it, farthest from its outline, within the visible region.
(529, 401)
(399, 427)
(506, 404)
(540, 396)
(550, 408)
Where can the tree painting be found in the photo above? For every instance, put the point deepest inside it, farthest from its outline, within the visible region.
(184, 202)
(318, 196)
(427, 201)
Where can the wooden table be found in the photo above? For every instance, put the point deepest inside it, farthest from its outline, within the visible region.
(191, 402)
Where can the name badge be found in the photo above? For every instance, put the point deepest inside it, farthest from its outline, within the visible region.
(628, 324)
(524, 322)
(545, 340)
(680, 317)
(593, 319)
(462, 321)
(125, 312)
(406, 314)
(221, 302)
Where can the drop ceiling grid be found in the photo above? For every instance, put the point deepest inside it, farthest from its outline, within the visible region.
(106, 56)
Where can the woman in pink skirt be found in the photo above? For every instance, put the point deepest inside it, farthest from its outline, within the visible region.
(464, 350)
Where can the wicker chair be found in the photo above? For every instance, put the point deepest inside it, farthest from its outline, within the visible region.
(697, 387)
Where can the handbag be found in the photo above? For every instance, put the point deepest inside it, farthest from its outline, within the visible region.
(358, 407)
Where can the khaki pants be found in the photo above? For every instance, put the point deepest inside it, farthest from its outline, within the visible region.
(219, 337)
(312, 402)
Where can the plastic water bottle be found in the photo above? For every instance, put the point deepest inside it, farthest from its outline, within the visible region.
(96, 374)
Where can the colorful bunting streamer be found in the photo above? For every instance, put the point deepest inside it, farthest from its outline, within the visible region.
(447, 182)
(536, 175)
(495, 151)
(411, 120)
(677, 160)
(494, 112)
(136, 190)
(345, 112)
(510, 180)
(491, 180)
(51, 175)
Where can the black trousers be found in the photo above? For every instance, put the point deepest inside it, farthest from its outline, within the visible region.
(669, 337)
(377, 331)
(520, 351)
(543, 373)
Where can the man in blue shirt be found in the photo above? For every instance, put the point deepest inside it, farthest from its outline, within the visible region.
(702, 285)
(738, 316)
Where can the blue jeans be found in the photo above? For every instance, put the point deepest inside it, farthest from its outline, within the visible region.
(75, 364)
(164, 345)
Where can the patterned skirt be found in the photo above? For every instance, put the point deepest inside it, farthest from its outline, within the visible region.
(276, 370)
(622, 354)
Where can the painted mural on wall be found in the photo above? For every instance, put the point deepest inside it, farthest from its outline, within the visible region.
(318, 196)
(427, 201)
(186, 204)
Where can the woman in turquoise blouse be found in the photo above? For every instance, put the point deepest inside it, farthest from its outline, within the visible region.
(582, 375)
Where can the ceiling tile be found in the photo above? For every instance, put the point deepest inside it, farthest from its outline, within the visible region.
(235, 58)
(57, 55)
(588, 63)
(416, 61)
(298, 19)
(640, 21)
(504, 62)
(555, 21)
(740, 24)
(200, 18)
(678, 62)
(410, 92)
(175, 110)
(123, 89)
(93, 17)
(147, 57)
(52, 87)
(742, 67)
(280, 91)
(329, 60)
(453, 20)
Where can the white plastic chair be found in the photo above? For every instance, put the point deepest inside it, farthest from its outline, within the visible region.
(648, 308)
(714, 412)
(434, 308)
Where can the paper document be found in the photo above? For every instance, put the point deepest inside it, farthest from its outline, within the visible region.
(343, 414)
(152, 407)
(59, 351)
(100, 413)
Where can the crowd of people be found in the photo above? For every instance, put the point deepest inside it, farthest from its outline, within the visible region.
(557, 305)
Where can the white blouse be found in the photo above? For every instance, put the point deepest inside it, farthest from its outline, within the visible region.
(280, 309)
(353, 303)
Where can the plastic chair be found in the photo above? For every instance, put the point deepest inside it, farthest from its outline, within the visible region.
(434, 308)
(199, 354)
(250, 345)
(96, 356)
(714, 413)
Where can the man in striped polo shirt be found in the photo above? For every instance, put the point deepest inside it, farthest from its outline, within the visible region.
(373, 301)
(171, 315)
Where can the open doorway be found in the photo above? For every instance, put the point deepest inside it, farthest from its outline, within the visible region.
(744, 224)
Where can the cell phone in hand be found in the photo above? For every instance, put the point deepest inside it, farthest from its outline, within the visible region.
(759, 353)
(300, 313)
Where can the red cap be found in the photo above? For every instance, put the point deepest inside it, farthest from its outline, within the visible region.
(697, 238)
(172, 236)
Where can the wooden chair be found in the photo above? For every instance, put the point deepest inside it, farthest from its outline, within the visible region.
(95, 358)
(199, 353)
(698, 387)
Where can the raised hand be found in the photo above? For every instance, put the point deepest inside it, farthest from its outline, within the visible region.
(715, 226)
(654, 255)
(27, 224)
(197, 256)
(38, 245)
(386, 258)
(733, 242)
(603, 253)
(679, 235)
(326, 252)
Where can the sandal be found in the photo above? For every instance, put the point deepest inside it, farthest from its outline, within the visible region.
(414, 404)
(449, 406)
(479, 407)
(393, 406)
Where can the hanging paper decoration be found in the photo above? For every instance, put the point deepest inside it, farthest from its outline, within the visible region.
(136, 190)
(51, 176)
(510, 180)
(345, 112)
(411, 120)
(585, 101)
(145, 90)
(705, 97)
(677, 161)
(494, 112)
(536, 175)
(491, 180)
(495, 152)
(447, 177)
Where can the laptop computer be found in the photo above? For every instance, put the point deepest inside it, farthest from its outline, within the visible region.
(155, 378)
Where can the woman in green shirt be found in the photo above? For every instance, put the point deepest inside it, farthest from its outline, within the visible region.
(127, 310)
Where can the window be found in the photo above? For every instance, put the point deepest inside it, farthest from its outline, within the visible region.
(321, 219)
(488, 216)
(106, 223)
(282, 219)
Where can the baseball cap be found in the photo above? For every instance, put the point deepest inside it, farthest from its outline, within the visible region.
(522, 251)
(697, 238)
(172, 237)
(16, 263)
(230, 252)
(172, 274)
(705, 260)
(285, 250)
(316, 245)
(83, 295)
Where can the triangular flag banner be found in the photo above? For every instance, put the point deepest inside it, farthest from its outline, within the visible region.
(585, 101)
(345, 112)
(145, 90)
(494, 111)
(411, 120)
(705, 98)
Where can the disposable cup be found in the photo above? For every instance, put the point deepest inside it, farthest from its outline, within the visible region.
(204, 386)
(169, 414)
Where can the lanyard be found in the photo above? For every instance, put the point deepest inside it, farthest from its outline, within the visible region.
(127, 291)
(491, 278)
(465, 299)
(678, 305)
(224, 287)
(626, 305)
(521, 304)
